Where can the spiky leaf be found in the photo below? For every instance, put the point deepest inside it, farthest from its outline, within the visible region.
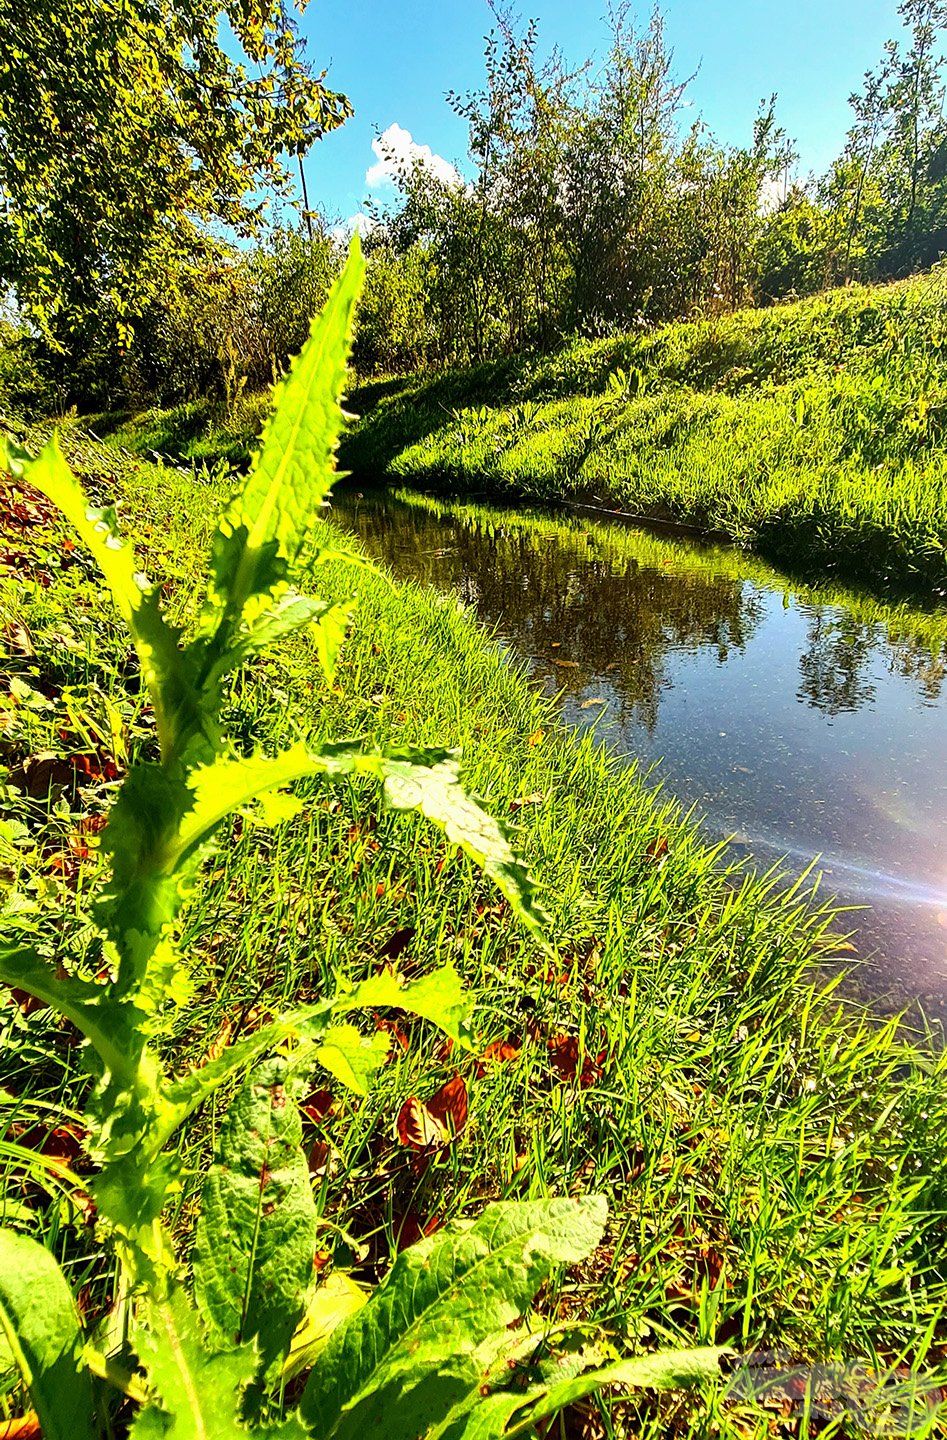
(39, 1322)
(402, 1363)
(439, 997)
(352, 1057)
(162, 665)
(196, 1393)
(264, 532)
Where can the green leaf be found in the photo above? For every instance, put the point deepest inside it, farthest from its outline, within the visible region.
(184, 1095)
(352, 1057)
(521, 1391)
(439, 997)
(264, 532)
(329, 634)
(666, 1370)
(196, 1394)
(41, 1326)
(106, 1023)
(162, 664)
(328, 623)
(424, 780)
(256, 1235)
(421, 1344)
(434, 788)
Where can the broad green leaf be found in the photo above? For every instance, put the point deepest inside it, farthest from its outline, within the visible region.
(290, 613)
(352, 1057)
(439, 997)
(162, 664)
(264, 532)
(520, 1393)
(39, 1321)
(196, 1394)
(329, 634)
(256, 1235)
(182, 1096)
(338, 1297)
(401, 1364)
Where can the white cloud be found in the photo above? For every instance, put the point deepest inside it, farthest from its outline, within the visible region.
(396, 150)
(361, 222)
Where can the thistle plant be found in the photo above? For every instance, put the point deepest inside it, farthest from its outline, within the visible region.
(431, 1351)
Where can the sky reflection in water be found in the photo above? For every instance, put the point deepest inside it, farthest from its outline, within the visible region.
(804, 724)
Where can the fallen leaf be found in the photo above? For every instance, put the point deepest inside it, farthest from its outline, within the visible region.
(500, 1051)
(430, 1125)
(417, 1129)
(318, 1157)
(392, 1028)
(317, 1106)
(25, 1427)
(44, 775)
(564, 1057)
(565, 664)
(657, 848)
(408, 1229)
(536, 738)
(587, 704)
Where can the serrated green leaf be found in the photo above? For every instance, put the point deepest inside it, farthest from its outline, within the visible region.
(105, 1023)
(401, 1364)
(39, 1321)
(162, 664)
(329, 634)
(423, 780)
(263, 533)
(290, 613)
(352, 1057)
(182, 1096)
(196, 1393)
(256, 1235)
(436, 791)
(439, 997)
(515, 1397)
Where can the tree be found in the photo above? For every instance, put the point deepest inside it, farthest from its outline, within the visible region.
(126, 128)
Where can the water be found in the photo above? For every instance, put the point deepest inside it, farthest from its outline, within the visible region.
(806, 725)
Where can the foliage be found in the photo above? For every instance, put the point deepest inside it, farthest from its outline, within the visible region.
(587, 209)
(126, 129)
(417, 1348)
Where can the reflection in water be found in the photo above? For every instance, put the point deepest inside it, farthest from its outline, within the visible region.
(805, 724)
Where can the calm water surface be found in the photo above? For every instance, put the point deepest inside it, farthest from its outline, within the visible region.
(807, 725)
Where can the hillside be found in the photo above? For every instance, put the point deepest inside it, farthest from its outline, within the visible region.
(813, 431)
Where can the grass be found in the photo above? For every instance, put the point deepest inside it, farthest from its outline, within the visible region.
(774, 1157)
(813, 432)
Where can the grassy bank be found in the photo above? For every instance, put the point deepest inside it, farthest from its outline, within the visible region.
(814, 432)
(774, 1160)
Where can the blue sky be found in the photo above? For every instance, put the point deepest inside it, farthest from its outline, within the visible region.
(396, 58)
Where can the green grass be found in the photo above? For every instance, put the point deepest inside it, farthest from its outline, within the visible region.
(774, 1157)
(814, 432)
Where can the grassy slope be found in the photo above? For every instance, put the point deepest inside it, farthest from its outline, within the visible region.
(813, 431)
(775, 1163)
